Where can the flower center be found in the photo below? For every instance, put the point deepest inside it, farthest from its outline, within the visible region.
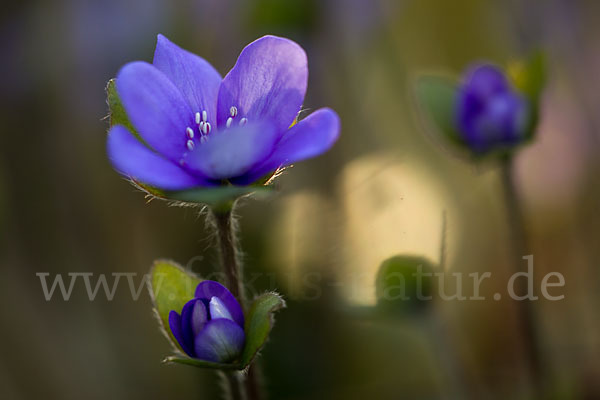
(233, 112)
(204, 126)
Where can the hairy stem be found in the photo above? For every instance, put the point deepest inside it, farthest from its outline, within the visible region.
(520, 249)
(224, 222)
(225, 226)
(234, 388)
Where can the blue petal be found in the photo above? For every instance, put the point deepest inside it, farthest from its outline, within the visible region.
(195, 78)
(175, 326)
(199, 317)
(310, 137)
(232, 152)
(186, 322)
(155, 107)
(268, 81)
(131, 158)
(484, 80)
(501, 120)
(221, 340)
(218, 309)
(206, 290)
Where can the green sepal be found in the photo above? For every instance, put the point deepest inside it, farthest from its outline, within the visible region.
(116, 111)
(173, 286)
(194, 362)
(259, 322)
(529, 78)
(218, 198)
(436, 97)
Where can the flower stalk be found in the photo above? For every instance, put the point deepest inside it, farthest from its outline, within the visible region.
(234, 389)
(520, 248)
(225, 225)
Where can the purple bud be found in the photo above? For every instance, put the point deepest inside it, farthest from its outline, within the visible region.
(211, 326)
(491, 114)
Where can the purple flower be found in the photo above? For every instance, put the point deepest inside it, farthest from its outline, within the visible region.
(211, 325)
(200, 129)
(490, 113)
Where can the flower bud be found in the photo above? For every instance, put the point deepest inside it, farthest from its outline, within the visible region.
(211, 325)
(490, 113)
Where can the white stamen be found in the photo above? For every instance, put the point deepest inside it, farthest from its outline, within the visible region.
(190, 145)
(197, 116)
(229, 121)
(204, 116)
(233, 111)
(203, 139)
(206, 128)
(189, 132)
(243, 121)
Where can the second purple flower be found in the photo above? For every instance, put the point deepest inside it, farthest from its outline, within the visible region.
(211, 325)
(490, 112)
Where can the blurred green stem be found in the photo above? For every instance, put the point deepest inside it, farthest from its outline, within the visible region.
(235, 391)
(225, 226)
(520, 249)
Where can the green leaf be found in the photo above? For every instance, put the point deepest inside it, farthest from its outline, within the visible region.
(172, 287)
(117, 114)
(259, 322)
(436, 97)
(400, 281)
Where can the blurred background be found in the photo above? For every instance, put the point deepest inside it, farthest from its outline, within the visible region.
(382, 191)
